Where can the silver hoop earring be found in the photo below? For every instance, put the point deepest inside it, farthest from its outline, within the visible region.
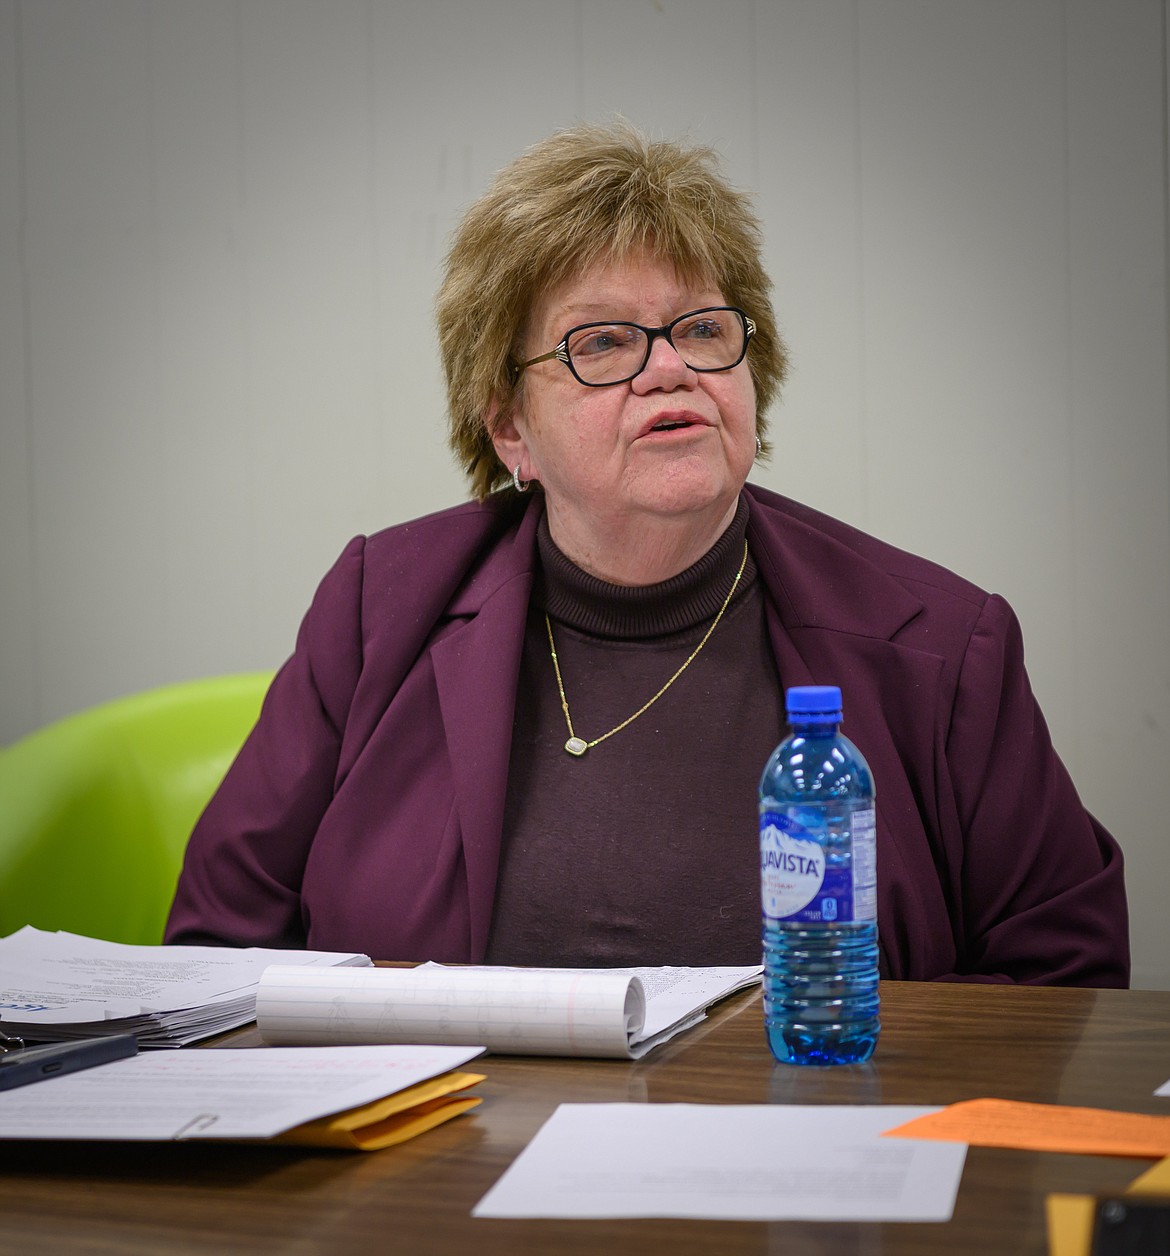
(759, 446)
(522, 486)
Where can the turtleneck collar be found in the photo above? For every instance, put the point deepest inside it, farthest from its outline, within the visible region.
(591, 605)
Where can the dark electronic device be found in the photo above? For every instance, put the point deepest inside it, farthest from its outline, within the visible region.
(1132, 1225)
(35, 1064)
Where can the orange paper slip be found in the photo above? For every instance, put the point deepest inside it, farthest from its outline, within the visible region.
(1043, 1127)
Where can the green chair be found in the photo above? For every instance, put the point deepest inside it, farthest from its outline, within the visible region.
(96, 809)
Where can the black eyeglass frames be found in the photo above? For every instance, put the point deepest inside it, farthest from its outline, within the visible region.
(714, 338)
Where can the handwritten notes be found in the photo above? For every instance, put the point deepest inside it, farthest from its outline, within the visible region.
(1043, 1127)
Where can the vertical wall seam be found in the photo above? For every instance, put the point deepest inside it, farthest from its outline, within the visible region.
(754, 95)
(1072, 457)
(579, 55)
(162, 448)
(376, 397)
(248, 549)
(1166, 196)
(862, 315)
(26, 356)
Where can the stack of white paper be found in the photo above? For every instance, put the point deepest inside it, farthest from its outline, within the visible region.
(615, 1012)
(59, 986)
(218, 1094)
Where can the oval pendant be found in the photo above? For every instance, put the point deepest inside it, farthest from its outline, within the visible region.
(575, 746)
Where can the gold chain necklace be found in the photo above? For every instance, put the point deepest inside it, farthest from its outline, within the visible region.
(578, 745)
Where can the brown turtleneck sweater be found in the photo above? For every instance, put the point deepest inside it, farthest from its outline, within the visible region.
(646, 849)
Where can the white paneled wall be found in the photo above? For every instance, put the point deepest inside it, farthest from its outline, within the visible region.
(221, 227)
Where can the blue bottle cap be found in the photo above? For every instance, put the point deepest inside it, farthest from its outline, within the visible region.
(819, 700)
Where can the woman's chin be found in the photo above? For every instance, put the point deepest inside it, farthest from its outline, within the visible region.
(687, 485)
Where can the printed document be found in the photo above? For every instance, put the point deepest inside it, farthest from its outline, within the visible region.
(217, 1094)
(56, 986)
(728, 1162)
(619, 1013)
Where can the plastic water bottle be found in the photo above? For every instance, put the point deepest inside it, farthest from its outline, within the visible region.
(818, 873)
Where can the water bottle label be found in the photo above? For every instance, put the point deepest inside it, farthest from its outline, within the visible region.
(792, 866)
(812, 870)
(865, 864)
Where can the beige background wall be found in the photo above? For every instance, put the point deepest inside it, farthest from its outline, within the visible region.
(217, 216)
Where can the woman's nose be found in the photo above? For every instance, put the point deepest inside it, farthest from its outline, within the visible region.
(664, 369)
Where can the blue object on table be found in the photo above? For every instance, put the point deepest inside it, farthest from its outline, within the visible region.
(818, 872)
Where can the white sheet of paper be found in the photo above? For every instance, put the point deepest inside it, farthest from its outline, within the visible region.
(217, 1094)
(678, 997)
(1163, 1090)
(545, 1012)
(607, 1012)
(729, 1162)
(51, 978)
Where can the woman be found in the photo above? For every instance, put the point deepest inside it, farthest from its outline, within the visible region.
(529, 729)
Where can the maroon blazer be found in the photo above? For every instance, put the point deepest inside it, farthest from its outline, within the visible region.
(365, 812)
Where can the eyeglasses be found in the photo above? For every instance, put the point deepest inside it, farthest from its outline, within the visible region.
(599, 354)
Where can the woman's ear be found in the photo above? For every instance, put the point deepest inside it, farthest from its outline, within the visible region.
(507, 439)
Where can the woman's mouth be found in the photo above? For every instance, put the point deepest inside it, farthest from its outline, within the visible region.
(673, 421)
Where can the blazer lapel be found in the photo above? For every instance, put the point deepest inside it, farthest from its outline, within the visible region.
(477, 666)
(834, 618)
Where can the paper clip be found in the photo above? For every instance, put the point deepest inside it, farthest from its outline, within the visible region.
(196, 1125)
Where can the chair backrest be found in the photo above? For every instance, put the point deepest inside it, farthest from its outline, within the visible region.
(96, 809)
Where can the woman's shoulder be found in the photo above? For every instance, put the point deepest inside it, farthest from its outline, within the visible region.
(388, 592)
(797, 523)
(468, 520)
(414, 569)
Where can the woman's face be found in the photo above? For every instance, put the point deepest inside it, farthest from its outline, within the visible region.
(602, 455)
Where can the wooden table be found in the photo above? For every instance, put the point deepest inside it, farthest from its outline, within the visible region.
(940, 1043)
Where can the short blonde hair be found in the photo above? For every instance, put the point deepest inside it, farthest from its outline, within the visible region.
(587, 195)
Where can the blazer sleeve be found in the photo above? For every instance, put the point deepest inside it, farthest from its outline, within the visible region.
(1042, 892)
(244, 864)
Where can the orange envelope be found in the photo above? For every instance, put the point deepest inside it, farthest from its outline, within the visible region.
(391, 1120)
